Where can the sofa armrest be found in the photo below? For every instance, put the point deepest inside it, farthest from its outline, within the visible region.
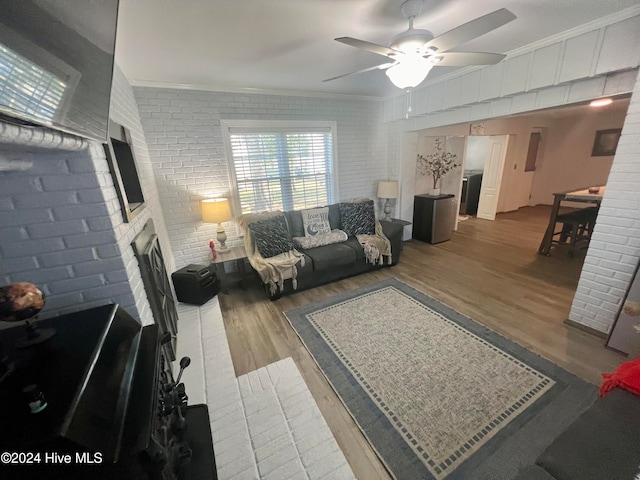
(393, 231)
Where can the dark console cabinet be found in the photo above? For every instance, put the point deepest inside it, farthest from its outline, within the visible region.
(112, 409)
(433, 217)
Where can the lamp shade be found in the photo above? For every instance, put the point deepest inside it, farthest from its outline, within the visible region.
(410, 72)
(216, 210)
(388, 189)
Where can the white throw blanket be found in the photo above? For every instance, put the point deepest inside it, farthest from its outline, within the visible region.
(376, 247)
(273, 270)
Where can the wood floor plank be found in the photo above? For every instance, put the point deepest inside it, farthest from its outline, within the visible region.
(489, 271)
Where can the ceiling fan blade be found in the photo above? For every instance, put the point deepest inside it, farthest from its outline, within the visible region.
(470, 30)
(371, 47)
(462, 59)
(377, 67)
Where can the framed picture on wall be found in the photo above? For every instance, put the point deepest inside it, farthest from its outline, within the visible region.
(606, 142)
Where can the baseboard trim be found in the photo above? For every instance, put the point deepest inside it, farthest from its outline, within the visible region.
(585, 328)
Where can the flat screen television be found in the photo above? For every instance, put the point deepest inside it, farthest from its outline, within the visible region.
(56, 63)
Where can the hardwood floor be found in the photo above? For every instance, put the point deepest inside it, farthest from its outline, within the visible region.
(489, 271)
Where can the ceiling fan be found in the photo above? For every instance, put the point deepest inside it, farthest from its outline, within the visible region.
(415, 51)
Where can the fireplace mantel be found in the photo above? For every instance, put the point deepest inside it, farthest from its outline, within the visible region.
(24, 138)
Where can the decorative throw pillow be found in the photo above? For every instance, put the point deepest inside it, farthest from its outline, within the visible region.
(271, 236)
(335, 236)
(315, 221)
(358, 218)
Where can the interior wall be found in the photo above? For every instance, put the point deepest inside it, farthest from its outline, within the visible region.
(566, 163)
(514, 192)
(476, 153)
(182, 128)
(60, 220)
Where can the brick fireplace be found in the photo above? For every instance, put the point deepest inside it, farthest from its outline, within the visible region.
(61, 226)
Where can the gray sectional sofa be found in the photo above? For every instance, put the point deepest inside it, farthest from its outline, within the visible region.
(602, 444)
(333, 262)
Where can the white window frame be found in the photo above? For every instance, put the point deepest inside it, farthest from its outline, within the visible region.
(284, 126)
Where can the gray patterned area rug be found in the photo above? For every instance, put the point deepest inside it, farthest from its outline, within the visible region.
(436, 394)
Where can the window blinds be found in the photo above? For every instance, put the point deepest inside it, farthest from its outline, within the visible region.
(27, 87)
(278, 169)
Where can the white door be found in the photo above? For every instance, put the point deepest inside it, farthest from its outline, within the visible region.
(492, 176)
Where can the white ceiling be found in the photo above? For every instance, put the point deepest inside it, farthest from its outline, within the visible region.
(287, 45)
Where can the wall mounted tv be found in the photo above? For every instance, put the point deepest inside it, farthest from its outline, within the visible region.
(56, 63)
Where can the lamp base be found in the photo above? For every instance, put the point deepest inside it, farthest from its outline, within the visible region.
(222, 238)
(387, 210)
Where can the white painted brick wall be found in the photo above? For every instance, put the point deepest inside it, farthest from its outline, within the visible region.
(60, 221)
(614, 250)
(185, 142)
(50, 238)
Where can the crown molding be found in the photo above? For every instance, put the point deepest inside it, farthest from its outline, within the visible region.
(253, 91)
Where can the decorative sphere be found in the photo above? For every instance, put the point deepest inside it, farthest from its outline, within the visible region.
(19, 301)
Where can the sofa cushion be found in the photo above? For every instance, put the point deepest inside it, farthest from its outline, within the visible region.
(335, 236)
(601, 443)
(331, 256)
(334, 216)
(315, 221)
(358, 218)
(353, 243)
(271, 236)
(294, 221)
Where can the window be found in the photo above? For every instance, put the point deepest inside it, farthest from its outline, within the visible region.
(279, 166)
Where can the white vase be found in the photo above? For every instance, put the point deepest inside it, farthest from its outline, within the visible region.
(434, 192)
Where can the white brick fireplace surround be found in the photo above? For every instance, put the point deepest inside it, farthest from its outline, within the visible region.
(60, 221)
(266, 424)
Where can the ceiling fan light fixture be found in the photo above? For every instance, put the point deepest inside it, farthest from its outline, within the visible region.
(409, 73)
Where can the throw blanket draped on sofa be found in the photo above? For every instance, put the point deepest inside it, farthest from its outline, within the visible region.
(376, 247)
(273, 270)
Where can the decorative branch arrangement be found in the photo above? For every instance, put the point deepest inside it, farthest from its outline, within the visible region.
(438, 163)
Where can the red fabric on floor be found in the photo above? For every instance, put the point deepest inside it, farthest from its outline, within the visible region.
(626, 376)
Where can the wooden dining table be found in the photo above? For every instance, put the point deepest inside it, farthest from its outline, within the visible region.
(581, 196)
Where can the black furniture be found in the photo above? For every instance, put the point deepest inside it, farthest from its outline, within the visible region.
(433, 217)
(333, 262)
(195, 284)
(235, 257)
(587, 195)
(97, 401)
(601, 444)
(146, 248)
(470, 197)
(577, 227)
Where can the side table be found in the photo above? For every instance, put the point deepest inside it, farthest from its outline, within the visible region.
(235, 254)
(404, 223)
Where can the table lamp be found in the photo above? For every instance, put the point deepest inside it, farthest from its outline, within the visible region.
(216, 210)
(387, 189)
